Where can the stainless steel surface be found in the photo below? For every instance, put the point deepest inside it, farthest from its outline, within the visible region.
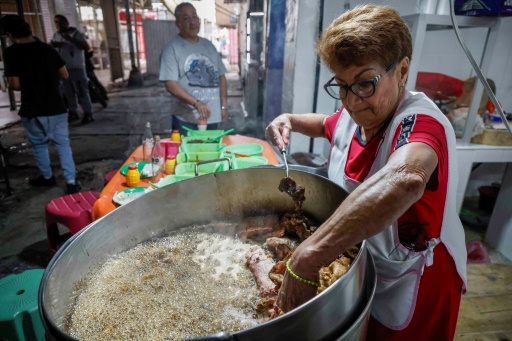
(283, 151)
(223, 196)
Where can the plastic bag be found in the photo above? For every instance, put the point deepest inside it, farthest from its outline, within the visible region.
(477, 254)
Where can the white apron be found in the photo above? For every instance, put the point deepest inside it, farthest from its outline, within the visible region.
(399, 269)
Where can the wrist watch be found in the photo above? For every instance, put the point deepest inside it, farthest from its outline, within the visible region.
(197, 101)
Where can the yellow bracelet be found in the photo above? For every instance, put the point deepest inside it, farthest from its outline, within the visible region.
(297, 277)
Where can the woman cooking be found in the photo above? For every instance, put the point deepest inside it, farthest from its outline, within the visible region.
(394, 152)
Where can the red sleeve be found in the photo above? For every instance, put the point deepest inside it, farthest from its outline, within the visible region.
(427, 212)
(330, 124)
(421, 128)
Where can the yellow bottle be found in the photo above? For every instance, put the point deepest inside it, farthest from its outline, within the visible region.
(175, 136)
(170, 164)
(132, 176)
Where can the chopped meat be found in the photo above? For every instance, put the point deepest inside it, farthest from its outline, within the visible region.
(288, 185)
(260, 228)
(296, 223)
(276, 274)
(260, 264)
(331, 273)
(281, 247)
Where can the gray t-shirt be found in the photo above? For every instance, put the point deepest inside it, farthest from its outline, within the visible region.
(196, 67)
(72, 55)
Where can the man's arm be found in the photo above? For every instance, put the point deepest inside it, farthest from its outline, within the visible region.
(224, 97)
(64, 73)
(80, 43)
(14, 82)
(174, 88)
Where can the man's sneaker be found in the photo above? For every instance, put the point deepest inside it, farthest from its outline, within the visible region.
(73, 188)
(42, 181)
(73, 116)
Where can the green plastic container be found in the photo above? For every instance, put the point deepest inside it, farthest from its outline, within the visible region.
(200, 148)
(246, 162)
(198, 156)
(198, 140)
(206, 133)
(251, 149)
(188, 168)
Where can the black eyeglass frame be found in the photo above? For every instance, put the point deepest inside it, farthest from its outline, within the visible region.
(372, 81)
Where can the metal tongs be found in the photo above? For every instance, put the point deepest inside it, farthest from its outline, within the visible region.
(283, 151)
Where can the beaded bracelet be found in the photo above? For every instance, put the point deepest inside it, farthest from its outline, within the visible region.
(297, 277)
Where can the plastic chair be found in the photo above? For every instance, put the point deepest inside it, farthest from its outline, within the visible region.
(73, 212)
(19, 315)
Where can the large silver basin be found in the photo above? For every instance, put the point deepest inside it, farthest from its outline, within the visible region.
(224, 196)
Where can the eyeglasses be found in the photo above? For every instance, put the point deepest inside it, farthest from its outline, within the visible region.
(363, 89)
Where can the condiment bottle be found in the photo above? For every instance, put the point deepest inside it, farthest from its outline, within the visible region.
(201, 124)
(132, 176)
(147, 143)
(157, 158)
(176, 136)
(170, 164)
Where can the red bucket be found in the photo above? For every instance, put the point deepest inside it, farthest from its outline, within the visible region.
(171, 148)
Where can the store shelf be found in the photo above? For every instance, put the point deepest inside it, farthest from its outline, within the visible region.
(420, 24)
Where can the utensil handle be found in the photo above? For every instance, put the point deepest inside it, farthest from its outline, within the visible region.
(196, 167)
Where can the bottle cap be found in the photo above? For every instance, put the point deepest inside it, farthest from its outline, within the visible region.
(132, 167)
(176, 131)
(171, 157)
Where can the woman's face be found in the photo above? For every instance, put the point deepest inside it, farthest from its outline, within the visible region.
(372, 111)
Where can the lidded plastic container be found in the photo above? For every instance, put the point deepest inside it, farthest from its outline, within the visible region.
(132, 176)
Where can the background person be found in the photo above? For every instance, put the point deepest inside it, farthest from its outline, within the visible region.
(194, 75)
(394, 152)
(35, 69)
(71, 44)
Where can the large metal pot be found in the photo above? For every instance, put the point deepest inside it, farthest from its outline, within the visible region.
(224, 196)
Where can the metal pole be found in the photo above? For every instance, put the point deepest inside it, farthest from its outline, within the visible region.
(97, 34)
(129, 31)
(136, 34)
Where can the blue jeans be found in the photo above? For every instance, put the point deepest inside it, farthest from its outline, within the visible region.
(40, 131)
(178, 124)
(76, 87)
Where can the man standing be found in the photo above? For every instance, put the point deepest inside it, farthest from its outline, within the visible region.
(35, 68)
(71, 44)
(194, 75)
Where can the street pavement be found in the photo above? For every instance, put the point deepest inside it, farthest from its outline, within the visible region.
(98, 147)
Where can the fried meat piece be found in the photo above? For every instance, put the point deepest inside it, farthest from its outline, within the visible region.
(331, 273)
(260, 265)
(281, 247)
(295, 191)
(298, 224)
(260, 228)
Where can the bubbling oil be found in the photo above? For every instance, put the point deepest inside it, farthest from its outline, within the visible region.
(189, 284)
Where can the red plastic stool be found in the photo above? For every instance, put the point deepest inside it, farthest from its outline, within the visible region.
(110, 175)
(73, 211)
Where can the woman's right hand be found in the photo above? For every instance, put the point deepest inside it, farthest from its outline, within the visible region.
(278, 131)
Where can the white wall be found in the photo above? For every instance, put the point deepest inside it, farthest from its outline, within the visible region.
(299, 71)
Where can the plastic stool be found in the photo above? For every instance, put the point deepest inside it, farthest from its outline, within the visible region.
(73, 211)
(110, 175)
(19, 312)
